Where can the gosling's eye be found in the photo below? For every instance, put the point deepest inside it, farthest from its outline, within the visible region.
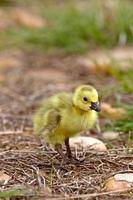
(85, 99)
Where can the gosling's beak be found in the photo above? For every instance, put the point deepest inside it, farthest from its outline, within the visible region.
(95, 106)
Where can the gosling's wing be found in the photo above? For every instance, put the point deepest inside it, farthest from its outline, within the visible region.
(48, 122)
(40, 116)
(50, 111)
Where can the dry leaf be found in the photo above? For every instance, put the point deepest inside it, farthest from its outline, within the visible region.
(102, 64)
(23, 17)
(6, 62)
(121, 181)
(4, 178)
(112, 113)
(84, 143)
(103, 61)
(99, 62)
(95, 66)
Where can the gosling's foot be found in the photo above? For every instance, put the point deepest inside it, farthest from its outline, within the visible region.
(75, 160)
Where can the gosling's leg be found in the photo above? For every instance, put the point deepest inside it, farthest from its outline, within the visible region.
(58, 148)
(69, 153)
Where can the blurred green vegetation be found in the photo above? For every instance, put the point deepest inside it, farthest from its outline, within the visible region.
(125, 124)
(76, 29)
(14, 192)
(124, 79)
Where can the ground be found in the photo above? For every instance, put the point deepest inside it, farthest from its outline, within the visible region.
(24, 158)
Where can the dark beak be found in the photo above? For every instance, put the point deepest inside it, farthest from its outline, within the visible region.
(95, 106)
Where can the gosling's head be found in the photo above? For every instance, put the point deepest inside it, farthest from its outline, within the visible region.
(86, 98)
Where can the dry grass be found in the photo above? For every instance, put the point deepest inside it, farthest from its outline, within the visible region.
(31, 165)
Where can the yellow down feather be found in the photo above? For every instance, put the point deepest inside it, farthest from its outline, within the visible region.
(64, 115)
